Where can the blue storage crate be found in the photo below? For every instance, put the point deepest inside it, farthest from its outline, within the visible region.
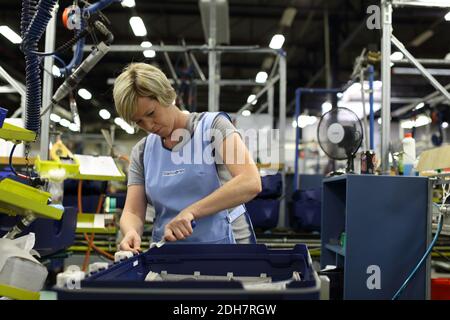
(272, 186)
(307, 208)
(125, 280)
(51, 235)
(264, 212)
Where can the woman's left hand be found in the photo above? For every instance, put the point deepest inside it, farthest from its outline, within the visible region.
(179, 228)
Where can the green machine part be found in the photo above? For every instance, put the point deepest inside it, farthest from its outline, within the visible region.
(19, 199)
(13, 133)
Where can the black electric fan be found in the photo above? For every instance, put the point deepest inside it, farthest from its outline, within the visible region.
(340, 135)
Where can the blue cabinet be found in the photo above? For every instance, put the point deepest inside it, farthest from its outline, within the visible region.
(386, 221)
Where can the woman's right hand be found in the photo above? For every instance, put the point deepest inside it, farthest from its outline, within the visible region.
(131, 242)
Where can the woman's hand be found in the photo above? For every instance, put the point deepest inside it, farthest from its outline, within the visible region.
(179, 228)
(131, 242)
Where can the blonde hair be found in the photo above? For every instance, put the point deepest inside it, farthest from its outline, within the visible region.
(140, 80)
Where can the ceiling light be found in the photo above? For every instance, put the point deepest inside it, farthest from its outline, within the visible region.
(119, 121)
(419, 106)
(447, 16)
(146, 44)
(74, 127)
(128, 3)
(86, 95)
(65, 123)
(105, 114)
(246, 113)
(54, 117)
(397, 56)
(251, 99)
(149, 53)
(326, 106)
(261, 77)
(56, 72)
(420, 121)
(9, 34)
(277, 41)
(138, 26)
(444, 125)
(305, 120)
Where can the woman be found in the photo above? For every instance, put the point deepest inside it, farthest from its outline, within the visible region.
(211, 194)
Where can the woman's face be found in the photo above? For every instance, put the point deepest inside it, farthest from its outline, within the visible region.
(152, 117)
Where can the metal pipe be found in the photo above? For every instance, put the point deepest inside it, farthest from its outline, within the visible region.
(326, 28)
(212, 58)
(269, 84)
(47, 86)
(175, 48)
(386, 15)
(197, 66)
(274, 67)
(19, 87)
(427, 61)
(421, 3)
(298, 94)
(271, 105)
(224, 82)
(363, 98)
(420, 67)
(171, 68)
(262, 108)
(283, 220)
(371, 71)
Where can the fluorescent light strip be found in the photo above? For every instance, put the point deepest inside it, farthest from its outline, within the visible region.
(128, 3)
(261, 77)
(149, 53)
(277, 41)
(9, 34)
(85, 94)
(105, 114)
(138, 26)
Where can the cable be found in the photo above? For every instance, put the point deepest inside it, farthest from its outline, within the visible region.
(446, 194)
(400, 291)
(11, 164)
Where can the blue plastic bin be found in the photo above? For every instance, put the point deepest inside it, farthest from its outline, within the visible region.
(264, 212)
(271, 186)
(3, 113)
(51, 235)
(307, 208)
(126, 280)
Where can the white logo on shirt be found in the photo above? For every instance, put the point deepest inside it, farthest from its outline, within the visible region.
(172, 173)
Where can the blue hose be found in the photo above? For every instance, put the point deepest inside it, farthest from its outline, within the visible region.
(78, 54)
(427, 253)
(34, 20)
(99, 5)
